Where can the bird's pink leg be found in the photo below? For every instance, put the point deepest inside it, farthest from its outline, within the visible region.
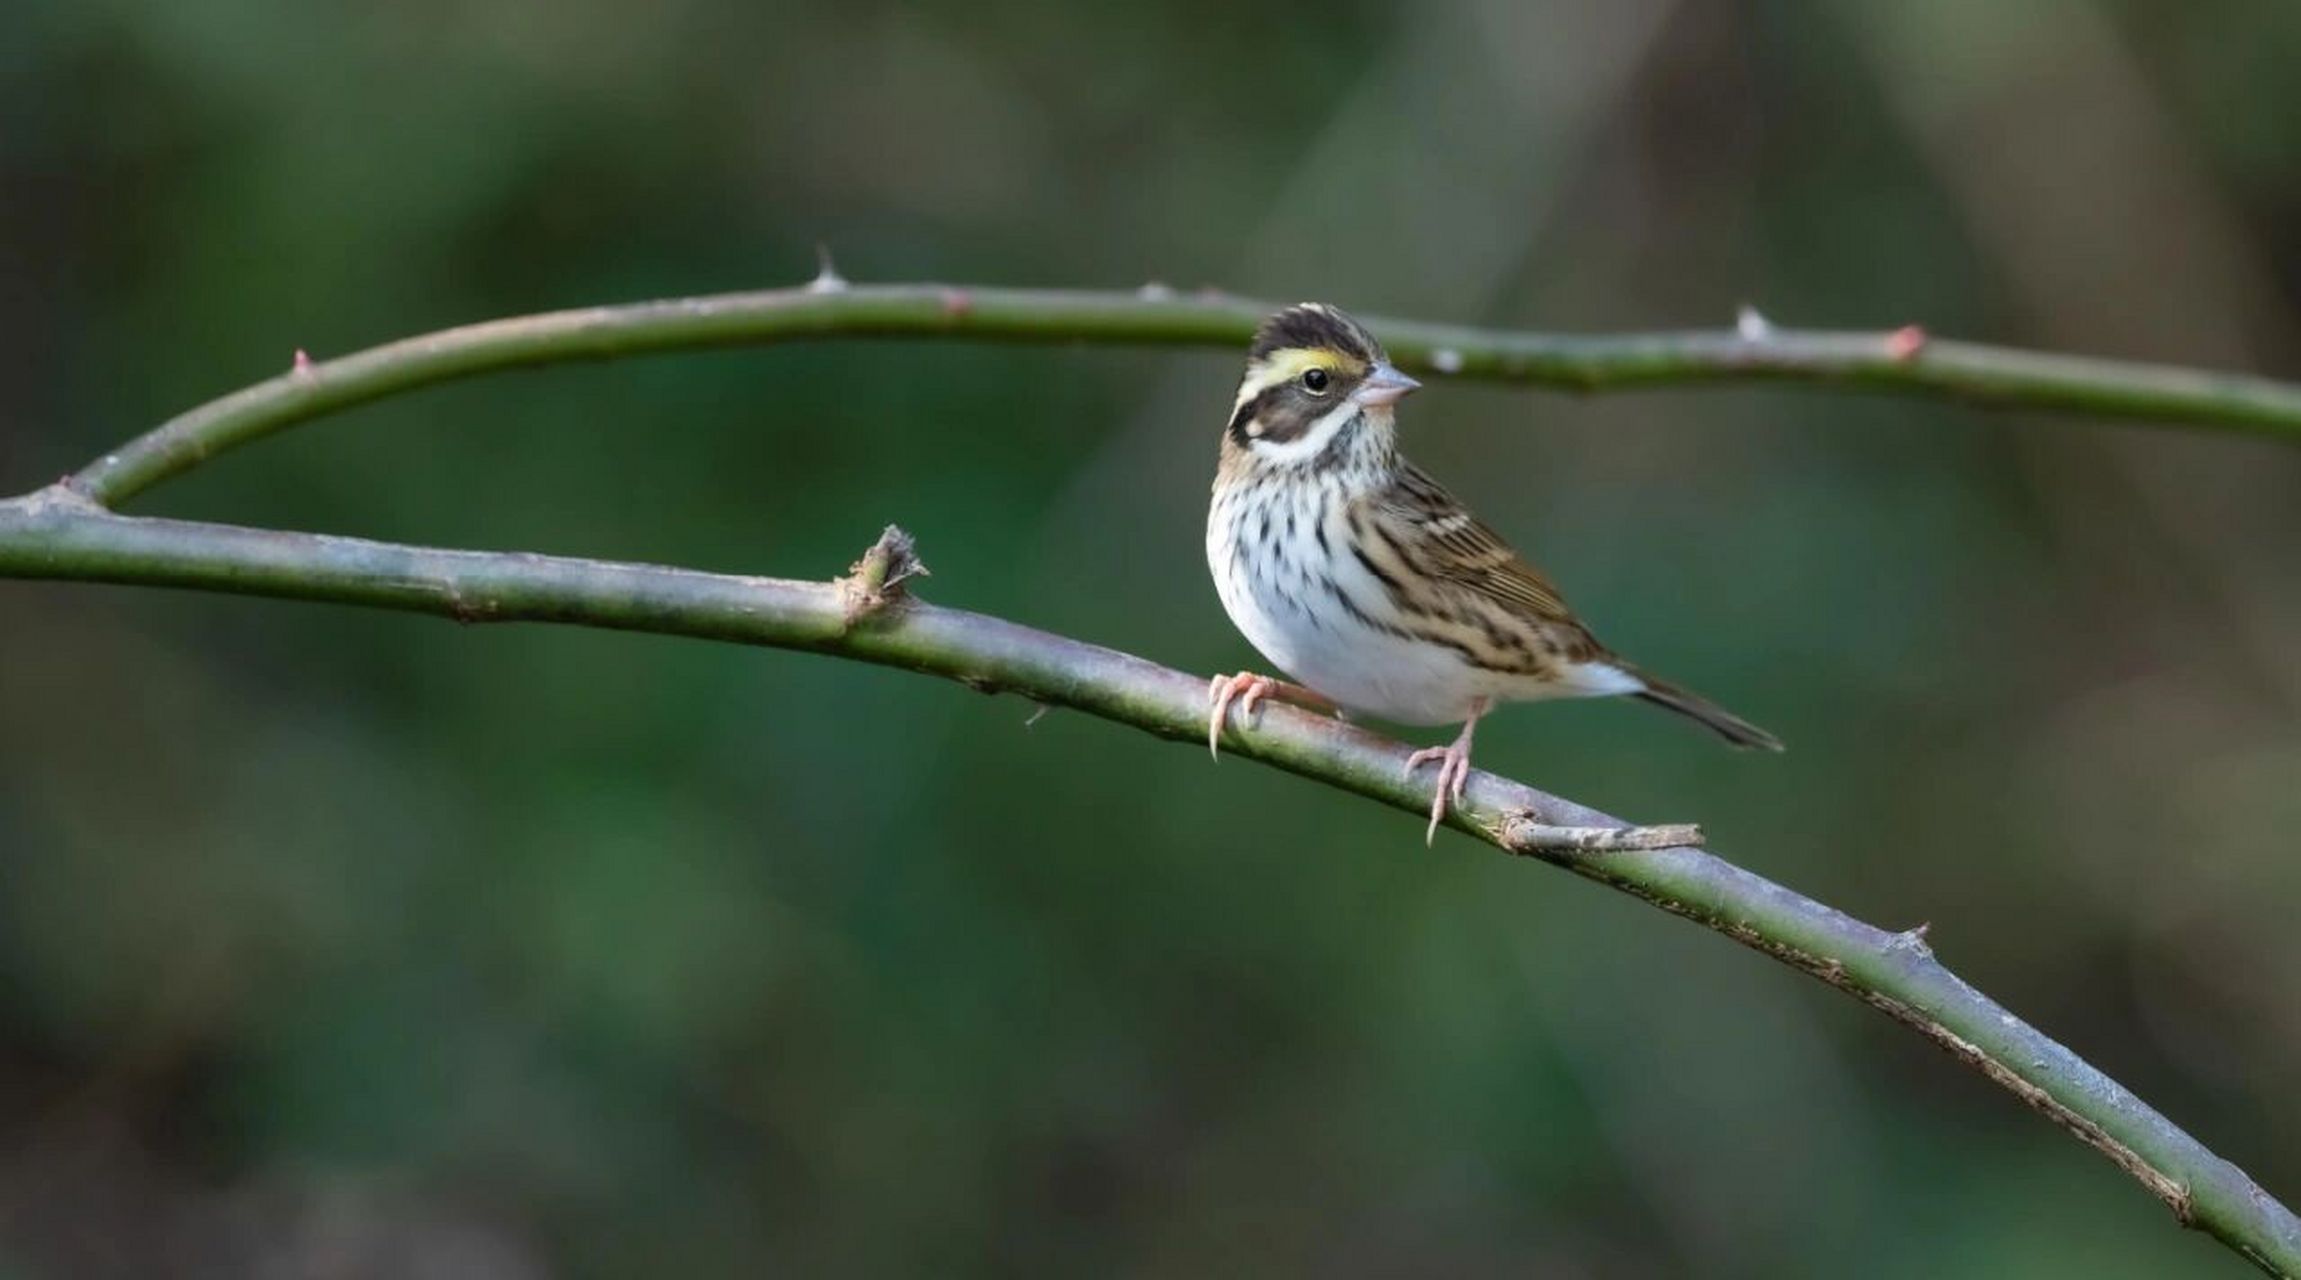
(1248, 690)
(1453, 768)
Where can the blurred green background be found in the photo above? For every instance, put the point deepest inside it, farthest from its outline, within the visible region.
(337, 943)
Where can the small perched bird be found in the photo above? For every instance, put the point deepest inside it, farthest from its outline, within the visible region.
(1354, 572)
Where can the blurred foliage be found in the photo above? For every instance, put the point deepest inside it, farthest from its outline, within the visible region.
(345, 944)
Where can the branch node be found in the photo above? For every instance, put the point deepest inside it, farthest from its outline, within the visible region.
(1156, 291)
(60, 496)
(1751, 325)
(1523, 832)
(1446, 360)
(827, 278)
(957, 303)
(2184, 1205)
(463, 609)
(876, 581)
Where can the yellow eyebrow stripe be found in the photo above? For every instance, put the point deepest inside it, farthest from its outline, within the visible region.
(1289, 364)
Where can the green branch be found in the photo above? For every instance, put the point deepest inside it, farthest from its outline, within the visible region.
(61, 534)
(68, 532)
(1903, 360)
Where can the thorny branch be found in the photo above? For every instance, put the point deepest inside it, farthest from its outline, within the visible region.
(60, 534)
(1906, 359)
(68, 531)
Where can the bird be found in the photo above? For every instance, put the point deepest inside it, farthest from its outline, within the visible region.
(1354, 572)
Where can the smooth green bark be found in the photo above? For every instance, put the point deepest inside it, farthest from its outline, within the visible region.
(1896, 361)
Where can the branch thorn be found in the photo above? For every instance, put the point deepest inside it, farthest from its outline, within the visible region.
(1156, 291)
(957, 303)
(827, 278)
(876, 581)
(1751, 325)
(302, 365)
(1446, 360)
(1903, 344)
(1912, 939)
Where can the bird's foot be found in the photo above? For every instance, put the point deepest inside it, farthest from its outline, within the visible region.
(1453, 772)
(1246, 689)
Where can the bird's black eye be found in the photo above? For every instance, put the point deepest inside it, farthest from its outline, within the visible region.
(1315, 379)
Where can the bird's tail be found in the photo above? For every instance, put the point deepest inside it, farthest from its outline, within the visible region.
(1717, 719)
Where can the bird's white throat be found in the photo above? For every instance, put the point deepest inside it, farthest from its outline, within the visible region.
(1365, 432)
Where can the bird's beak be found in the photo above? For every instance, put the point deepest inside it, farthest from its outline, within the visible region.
(1383, 387)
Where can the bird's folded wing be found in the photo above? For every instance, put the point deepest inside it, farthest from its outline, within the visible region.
(1451, 544)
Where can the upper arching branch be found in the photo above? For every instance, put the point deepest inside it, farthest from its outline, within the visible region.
(1902, 360)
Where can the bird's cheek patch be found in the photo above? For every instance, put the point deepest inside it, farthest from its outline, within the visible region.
(1265, 416)
(1269, 419)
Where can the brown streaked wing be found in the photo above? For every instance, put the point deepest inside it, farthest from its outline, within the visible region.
(1457, 547)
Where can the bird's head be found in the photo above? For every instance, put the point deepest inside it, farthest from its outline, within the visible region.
(1313, 377)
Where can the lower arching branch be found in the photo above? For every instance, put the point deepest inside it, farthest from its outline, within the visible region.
(59, 534)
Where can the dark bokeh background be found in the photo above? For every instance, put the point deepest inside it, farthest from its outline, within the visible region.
(348, 944)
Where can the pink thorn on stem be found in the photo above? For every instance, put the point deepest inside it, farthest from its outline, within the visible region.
(1904, 343)
(303, 363)
(957, 303)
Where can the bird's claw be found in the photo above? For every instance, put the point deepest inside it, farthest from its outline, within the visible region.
(1246, 689)
(1453, 776)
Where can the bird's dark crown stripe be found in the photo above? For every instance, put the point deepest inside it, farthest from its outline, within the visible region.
(1314, 326)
